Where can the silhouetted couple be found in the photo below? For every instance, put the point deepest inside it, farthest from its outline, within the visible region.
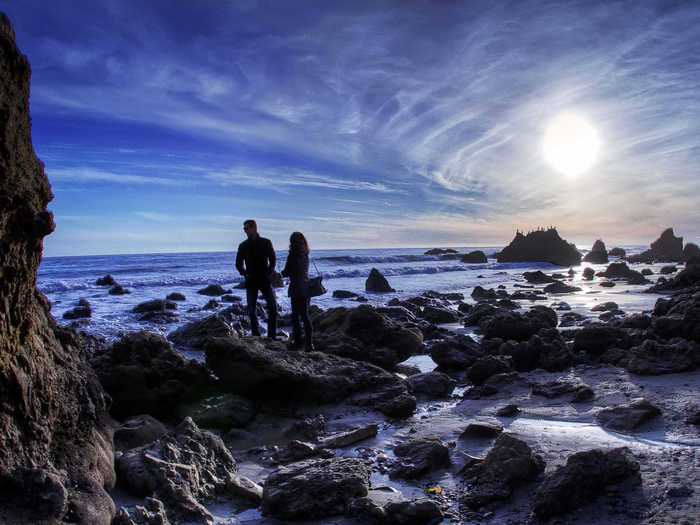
(256, 262)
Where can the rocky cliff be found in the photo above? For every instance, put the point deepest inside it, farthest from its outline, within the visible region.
(55, 448)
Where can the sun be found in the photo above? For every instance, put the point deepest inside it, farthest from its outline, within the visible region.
(571, 144)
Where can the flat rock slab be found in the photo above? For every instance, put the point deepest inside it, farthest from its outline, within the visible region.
(625, 418)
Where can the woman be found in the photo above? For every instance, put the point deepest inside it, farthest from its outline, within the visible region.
(297, 269)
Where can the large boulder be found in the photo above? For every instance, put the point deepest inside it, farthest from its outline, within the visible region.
(144, 374)
(365, 334)
(598, 253)
(667, 248)
(596, 338)
(56, 452)
(431, 384)
(456, 352)
(314, 489)
(540, 245)
(419, 457)
(377, 283)
(267, 370)
(183, 468)
(154, 305)
(511, 462)
(585, 476)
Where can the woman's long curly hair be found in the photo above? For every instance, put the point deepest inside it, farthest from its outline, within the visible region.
(298, 244)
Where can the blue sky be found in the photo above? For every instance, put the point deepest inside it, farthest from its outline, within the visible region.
(164, 124)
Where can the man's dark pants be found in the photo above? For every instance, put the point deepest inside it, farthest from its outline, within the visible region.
(253, 286)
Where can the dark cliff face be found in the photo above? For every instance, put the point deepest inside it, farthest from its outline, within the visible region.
(55, 454)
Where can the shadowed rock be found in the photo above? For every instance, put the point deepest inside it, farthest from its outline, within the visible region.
(617, 252)
(419, 457)
(598, 253)
(377, 283)
(538, 277)
(226, 323)
(475, 257)
(667, 248)
(625, 418)
(540, 245)
(456, 352)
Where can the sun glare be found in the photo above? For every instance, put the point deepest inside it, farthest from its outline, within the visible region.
(571, 144)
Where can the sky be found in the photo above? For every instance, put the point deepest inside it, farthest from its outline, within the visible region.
(164, 124)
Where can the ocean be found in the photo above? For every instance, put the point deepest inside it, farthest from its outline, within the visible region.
(65, 280)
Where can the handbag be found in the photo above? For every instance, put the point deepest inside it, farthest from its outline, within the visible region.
(315, 285)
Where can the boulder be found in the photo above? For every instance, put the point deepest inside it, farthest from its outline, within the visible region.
(365, 334)
(667, 248)
(668, 269)
(540, 245)
(151, 512)
(685, 279)
(175, 296)
(557, 388)
(160, 317)
(195, 334)
(617, 252)
(480, 293)
(625, 418)
(81, 311)
(487, 366)
(144, 374)
(344, 294)
(265, 370)
(588, 273)
(481, 430)
(155, 305)
(222, 411)
(585, 476)
(438, 315)
(475, 257)
(431, 384)
(620, 270)
(598, 253)
(56, 457)
(182, 469)
(657, 358)
(138, 431)
(510, 463)
(538, 277)
(314, 489)
(509, 325)
(691, 251)
(212, 304)
(377, 283)
(596, 338)
(386, 505)
(118, 289)
(107, 280)
(560, 287)
(419, 457)
(456, 352)
(509, 410)
(608, 306)
(213, 290)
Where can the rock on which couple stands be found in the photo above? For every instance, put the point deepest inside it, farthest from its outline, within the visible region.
(184, 468)
(475, 257)
(377, 283)
(560, 287)
(628, 417)
(144, 374)
(107, 280)
(365, 334)
(456, 352)
(419, 457)
(540, 245)
(431, 384)
(260, 369)
(314, 489)
(598, 253)
(510, 463)
(226, 323)
(213, 290)
(509, 325)
(538, 277)
(155, 305)
(585, 476)
(667, 248)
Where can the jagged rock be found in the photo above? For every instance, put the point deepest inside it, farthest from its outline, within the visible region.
(213, 290)
(314, 489)
(538, 277)
(344, 294)
(597, 338)
(175, 296)
(667, 248)
(226, 323)
(560, 287)
(588, 273)
(365, 334)
(138, 431)
(143, 373)
(152, 512)
(657, 358)
(266, 370)
(617, 252)
(481, 430)
(419, 457)
(509, 325)
(475, 257)
(511, 462)
(691, 251)
(478, 313)
(431, 384)
(437, 315)
(625, 418)
(487, 366)
(457, 352)
(678, 316)
(182, 468)
(107, 280)
(55, 453)
(377, 283)
(540, 245)
(584, 477)
(81, 311)
(118, 289)
(598, 253)
(155, 305)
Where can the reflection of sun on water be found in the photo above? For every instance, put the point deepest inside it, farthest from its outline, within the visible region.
(570, 144)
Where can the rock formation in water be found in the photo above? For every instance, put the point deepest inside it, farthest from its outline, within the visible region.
(598, 254)
(667, 248)
(55, 449)
(540, 245)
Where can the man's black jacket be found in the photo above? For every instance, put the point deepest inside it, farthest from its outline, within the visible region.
(256, 258)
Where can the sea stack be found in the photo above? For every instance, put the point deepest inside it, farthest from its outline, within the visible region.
(377, 283)
(598, 254)
(56, 458)
(540, 245)
(667, 248)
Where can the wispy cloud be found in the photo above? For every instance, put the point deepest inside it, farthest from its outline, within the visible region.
(81, 175)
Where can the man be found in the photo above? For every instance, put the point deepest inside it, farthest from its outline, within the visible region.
(256, 261)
